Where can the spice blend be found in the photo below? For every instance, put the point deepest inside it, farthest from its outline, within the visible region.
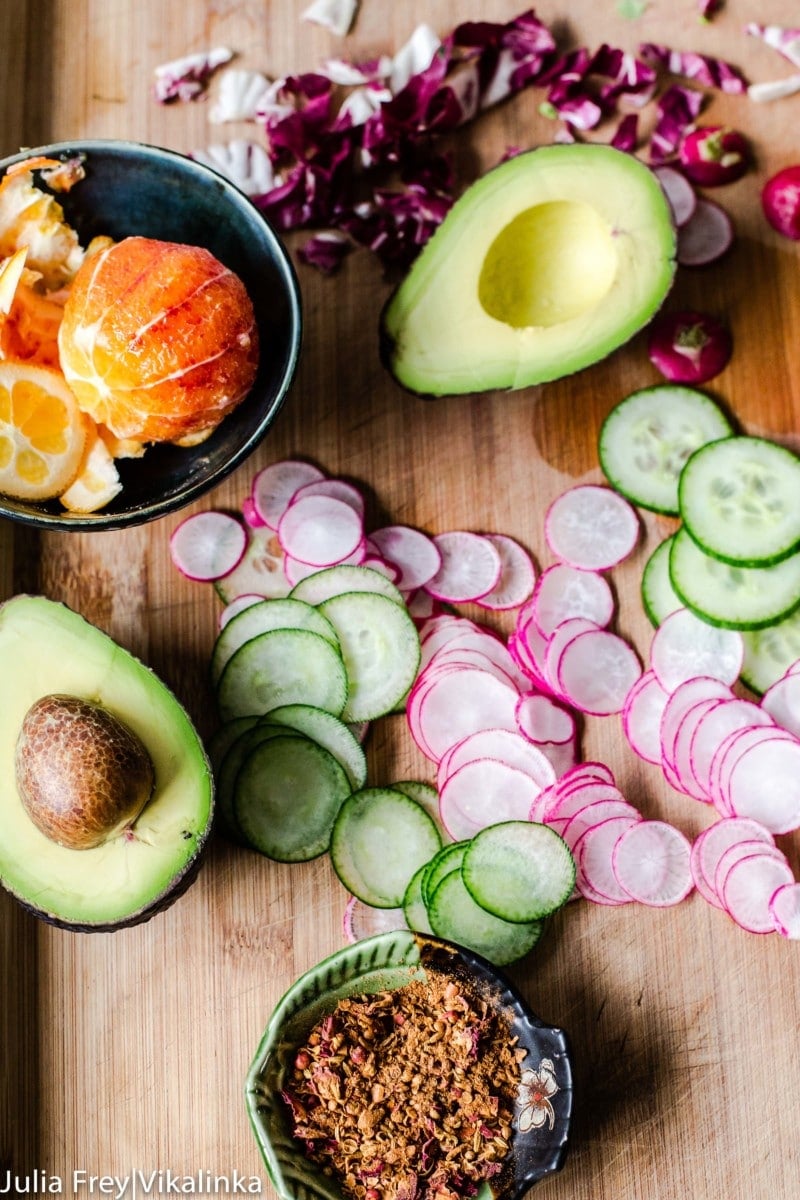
(407, 1094)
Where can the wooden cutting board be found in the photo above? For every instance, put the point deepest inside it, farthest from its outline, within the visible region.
(129, 1051)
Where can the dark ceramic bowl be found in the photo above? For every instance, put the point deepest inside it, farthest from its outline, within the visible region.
(137, 189)
(387, 961)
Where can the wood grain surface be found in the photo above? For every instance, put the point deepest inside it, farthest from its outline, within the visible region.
(130, 1050)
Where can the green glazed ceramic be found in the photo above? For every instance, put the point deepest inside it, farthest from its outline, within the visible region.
(384, 962)
(132, 188)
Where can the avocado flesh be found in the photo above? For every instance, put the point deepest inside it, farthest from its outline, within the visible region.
(544, 266)
(46, 648)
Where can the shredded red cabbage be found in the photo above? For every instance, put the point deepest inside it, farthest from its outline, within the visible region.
(677, 109)
(712, 72)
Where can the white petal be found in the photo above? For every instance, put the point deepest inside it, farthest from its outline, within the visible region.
(336, 15)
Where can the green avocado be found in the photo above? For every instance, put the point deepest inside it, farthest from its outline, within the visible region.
(47, 649)
(548, 263)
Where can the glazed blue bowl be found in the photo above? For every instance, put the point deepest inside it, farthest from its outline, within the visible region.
(387, 961)
(131, 188)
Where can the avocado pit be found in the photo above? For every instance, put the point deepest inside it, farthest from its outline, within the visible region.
(83, 776)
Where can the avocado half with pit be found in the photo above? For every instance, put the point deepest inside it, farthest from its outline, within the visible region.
(141, 863)
(545, 265)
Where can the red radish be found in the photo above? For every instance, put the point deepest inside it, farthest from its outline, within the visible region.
(596, 671)
(376, 563)
(594, 854)
(749, 887)
(320, 530)
(706, 236)
(684, 647)
(650, 860)
(250, 514)
(709, 732)
(712, 155)
(444, 710)
(361, 920)
(470, 567)
(557, 643)
(727, 755)
(764, 783)
(594, 813)
(689, 347)
(710, 845)
(680, 194)
(641, 717)
(782, 702)
(236, 606)
(563, 591)
(541, 719)
(207, 545)
(413, 553)
(592, 527)
(502, 745)
(517, 575)
(274, 486)
(482, 793)
(340, 489)
(780, 199)
(784, 907)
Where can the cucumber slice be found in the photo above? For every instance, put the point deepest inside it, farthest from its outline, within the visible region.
(645, 441)
(519, 871)
(733, 597)
(335, 581)
(262, 618)
(454, 915)
(220, 742)
(658, 595)
(414, 910)
(229, 768)
(287, 795)
(740, 500)
(380, 648)
(448, 859)
(380, 840)
(259, 572)
(769, 653)
(426, 795)
(330, 733)
(284, 666)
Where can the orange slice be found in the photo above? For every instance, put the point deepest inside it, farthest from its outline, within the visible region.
(97, 482)
(42, 432)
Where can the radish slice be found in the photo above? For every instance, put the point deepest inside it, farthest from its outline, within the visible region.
(749, 887)
(447, 709)
(251, 516)
(320, 531)
(503, 746)
(698, 690)
(728, 753)
(764, 783)
(706, 236)
(650, 861)
(565, 804)
(641, 717)
(680, 194)
(529, 649)
(274, 487)
(483, 793)
(517, 575)
(338, 489)
(421, 606)
(591, 527)
(541, 719)
(597, 670)
(455, 657)
(784, 907)
(563, 592)
(710, 845)
(561, 637)
(361, 920)
(470, 567)
(593, 852)
(413, 553)
(589, 815)
(384, 568)
(236, 606)
(208, 545)
(684, 647)
(782, 702)
(711, 729)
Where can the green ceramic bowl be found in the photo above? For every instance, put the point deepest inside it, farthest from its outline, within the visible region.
(383, 962)
(131, 188)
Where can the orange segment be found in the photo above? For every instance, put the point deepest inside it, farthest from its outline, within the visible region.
(42, 432)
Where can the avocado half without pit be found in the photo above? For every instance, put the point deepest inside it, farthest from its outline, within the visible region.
(545, 265)
(106, 793)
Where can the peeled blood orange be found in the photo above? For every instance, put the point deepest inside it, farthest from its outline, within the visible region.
(158, 340)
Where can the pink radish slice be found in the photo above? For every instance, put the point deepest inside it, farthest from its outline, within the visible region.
(557, 643)
(477, 641)
(591, 527)
(320, 531)
(337, 489)
(684, 647)
(529, 648)
(641, 717)
(207, 545)
(274, 487)
(706, 236)
(517, 575)
(596, 671)
(470, 567)
(447, 709)
(383, 568)
(782, 702)
(728, 753)
(748, 888)
(587, 771)
(541, 719)
(593, 852)
(482, 793)
(681, 749)
(361, 920)
(458, 657)
(572, 827)
(650, 861)
(251, 515)
(784, 907)
(564, 807)
(764, 783)
(561, 755)
(680, 194)
(503, 746)
(236, 606)
(710, 845)
(741, 850)
(697, 690)
(413, 553)
(563, 591)
(420, 605)
(710, 731)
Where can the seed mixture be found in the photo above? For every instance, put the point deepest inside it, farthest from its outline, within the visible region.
(408, 1094)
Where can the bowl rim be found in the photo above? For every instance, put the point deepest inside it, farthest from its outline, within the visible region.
(100, 521)
(405, 953)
